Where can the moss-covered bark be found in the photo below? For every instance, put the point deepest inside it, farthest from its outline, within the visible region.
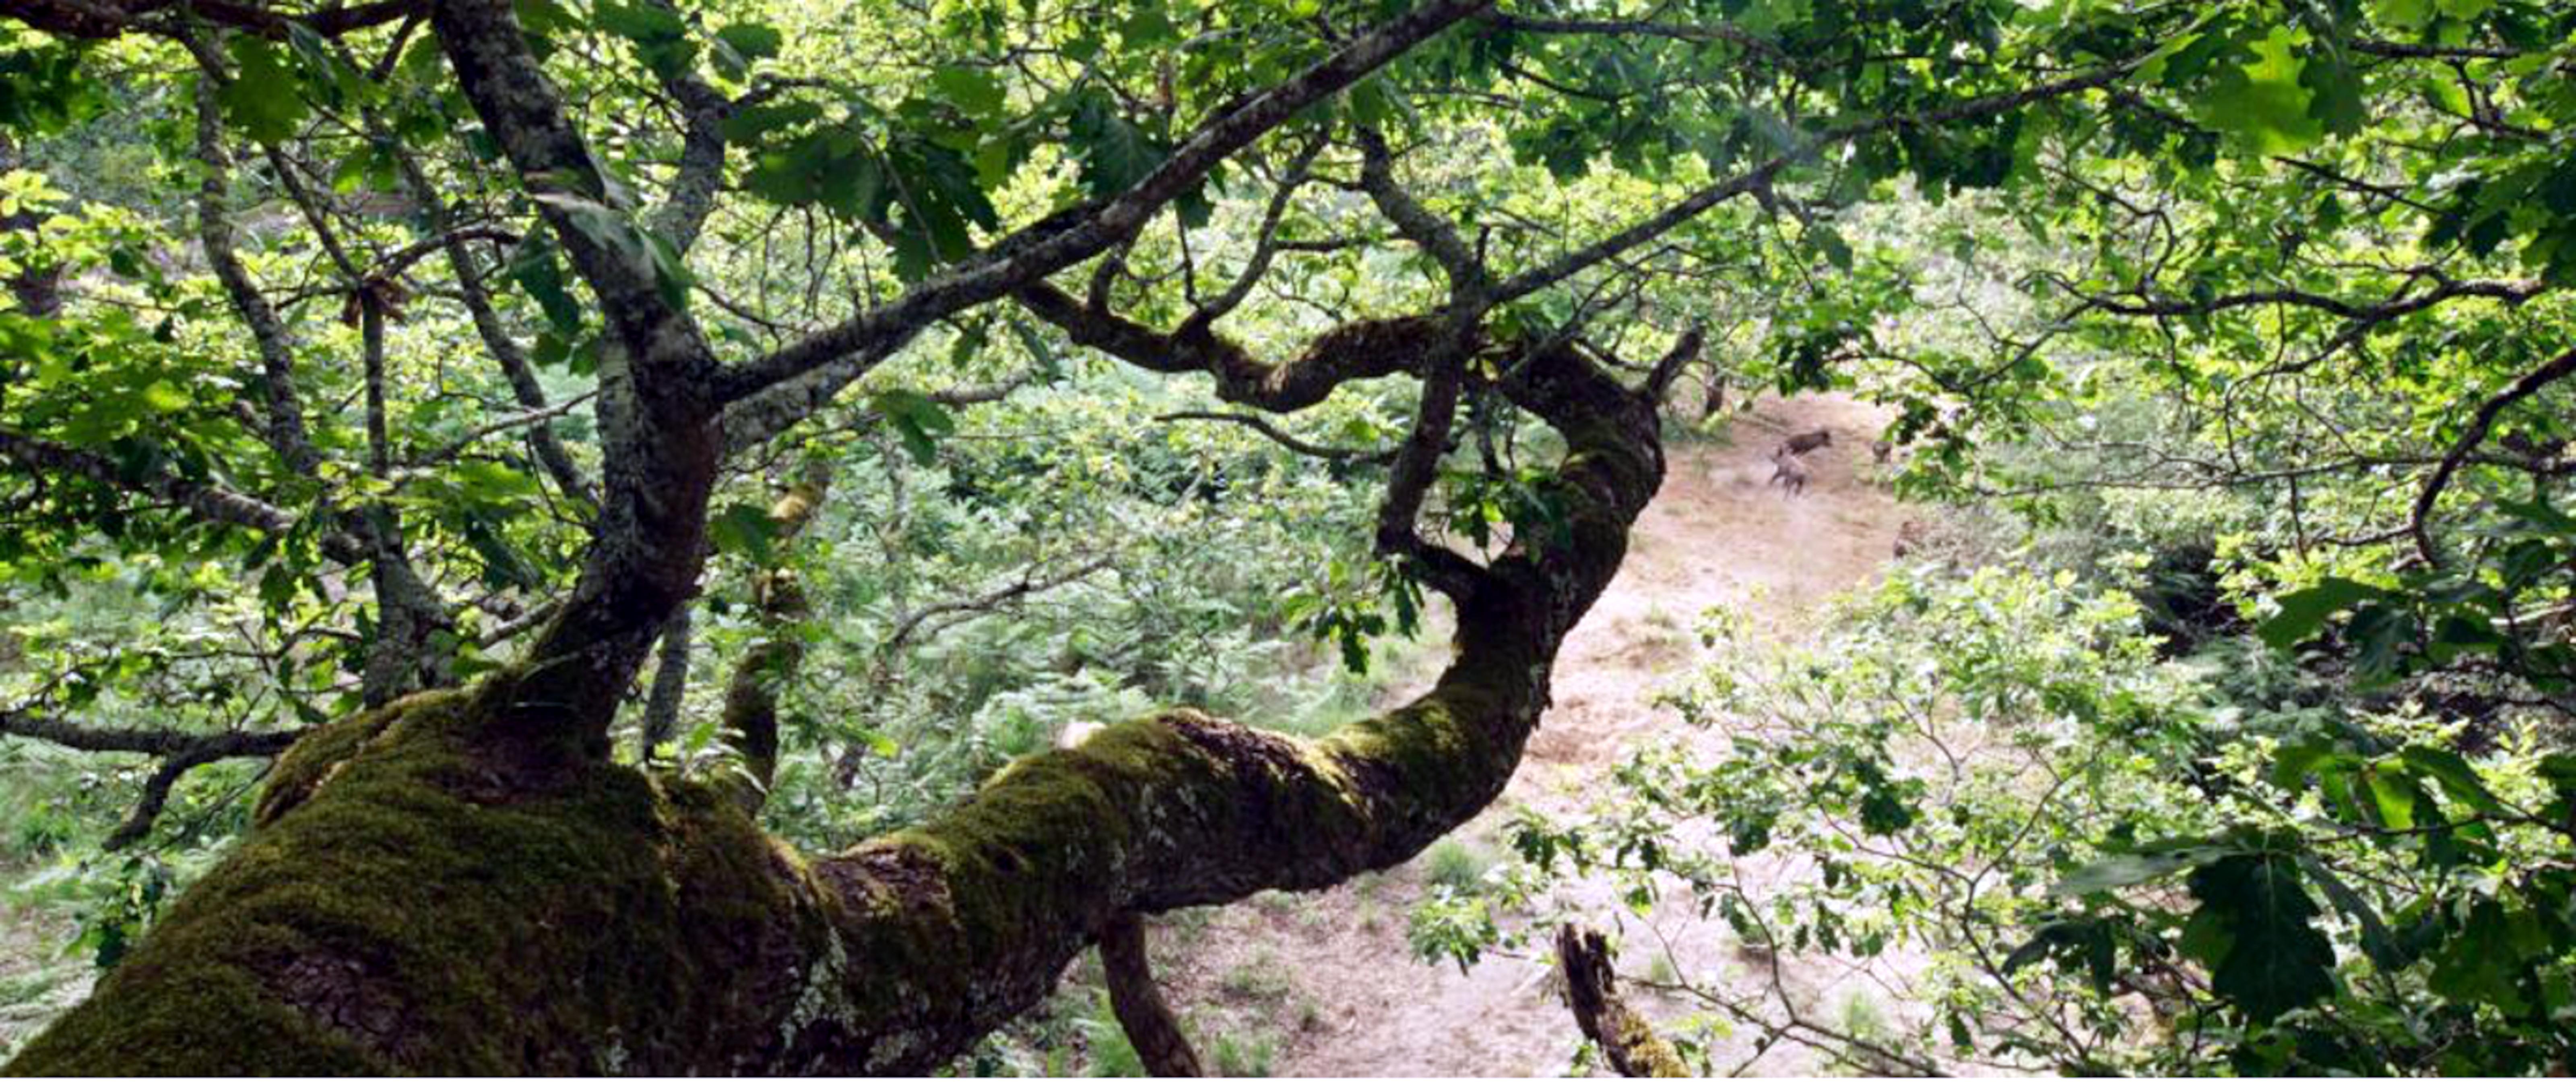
(1625, 1038)
(400, 908)
(418, 896)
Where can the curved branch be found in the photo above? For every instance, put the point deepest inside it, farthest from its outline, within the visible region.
(1280, 436)
(110, 18)
(1361, 349)
(1028, 256)
(699, 174)
(179, 751)
(2420, 522)
(889, 958)
(211, 501)
(162, 742)
(670, 687)
(751, 696)
(660, 448)
(287, 434)
(1659, 381)
(1265, 247)
(515, 365)
(2511, 293)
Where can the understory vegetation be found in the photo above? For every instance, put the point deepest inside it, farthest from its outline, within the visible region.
(906, 492)
(2160, 754)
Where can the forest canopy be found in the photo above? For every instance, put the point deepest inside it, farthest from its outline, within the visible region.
(679, 536)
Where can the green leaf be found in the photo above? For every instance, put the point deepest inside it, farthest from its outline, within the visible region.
(536, 270)
(639, 247)
(265, 98)
(971, 89)
(2403, 14)
(749, 125)
(940, 199)
(2263, 101)
(2376, 940)
(2393, 797)
(752, 41)
(1115, 153)
(835, 167)
(2305, 611)
(487, 482)
(2130, 869)
(2335, 90)
(1837, 251)
(503, 565)
(918, 420)
(2454, 775)
(2257, 921)
(743, 529)
(660, 37)
(2086, 941)
(163, 396)
(2478, 963)
(1038, 349)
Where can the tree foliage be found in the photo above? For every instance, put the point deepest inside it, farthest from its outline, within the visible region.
(360, 351)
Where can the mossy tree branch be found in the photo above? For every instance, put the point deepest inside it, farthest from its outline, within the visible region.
(422, 878)
(1592, 990)
(359, 926)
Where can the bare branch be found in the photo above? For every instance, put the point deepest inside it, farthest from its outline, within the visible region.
(214, 502)
(1282, 437)
(1265, 247)
(1133, 997)
(2480, 423)
(1028, 256)
(504, 423)
(110, 18)
(180, 752)
(1761, 176)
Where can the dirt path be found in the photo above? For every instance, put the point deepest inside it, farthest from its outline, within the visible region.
(1330, 975)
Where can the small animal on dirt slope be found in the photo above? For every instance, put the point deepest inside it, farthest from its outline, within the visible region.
(1910, 537)
(1787, 472)
(1879, 450)
(1804, 442)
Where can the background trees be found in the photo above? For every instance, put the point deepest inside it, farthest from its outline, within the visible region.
(481, 341)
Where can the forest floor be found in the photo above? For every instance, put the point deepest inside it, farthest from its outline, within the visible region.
(37, 979)
(1325, 985)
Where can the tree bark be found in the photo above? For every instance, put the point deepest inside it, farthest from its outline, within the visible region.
(463, 881)
(1592, 990)
(1133, 997)
(405, 904)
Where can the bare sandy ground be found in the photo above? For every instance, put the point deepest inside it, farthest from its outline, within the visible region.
(1332, 972)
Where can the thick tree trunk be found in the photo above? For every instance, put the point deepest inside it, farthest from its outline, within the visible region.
(410, 902)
